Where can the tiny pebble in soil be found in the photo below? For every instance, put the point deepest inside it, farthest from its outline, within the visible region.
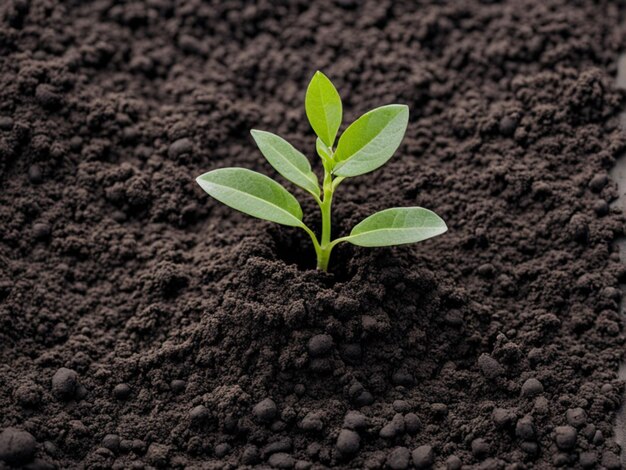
(524, 429)
(265, 411)
(320, 345)
(281, 460)
(412, 423)
(222, 450)
(565, 437)
(180, 147)
(250, 455)
(111, 442)
(394, 428)
(121, 391)
(199, 414)
(453, 463)
(17, 446)
(398, 458)
(64, 382)
(480, 448)
(576, 417)
(348, 442)
(423, 456)
(178, 386)
(532, 387)
(355, 420)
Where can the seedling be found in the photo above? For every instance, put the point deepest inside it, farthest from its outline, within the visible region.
(367, 144)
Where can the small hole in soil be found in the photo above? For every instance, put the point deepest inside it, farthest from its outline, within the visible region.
(294, 248)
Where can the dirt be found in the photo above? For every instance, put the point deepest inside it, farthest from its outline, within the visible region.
(144, 325)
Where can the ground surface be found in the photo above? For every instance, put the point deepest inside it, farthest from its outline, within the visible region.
(141, 323)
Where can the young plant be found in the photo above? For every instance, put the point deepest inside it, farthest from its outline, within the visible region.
(363, 147)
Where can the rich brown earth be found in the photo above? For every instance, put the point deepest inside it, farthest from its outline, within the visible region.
(141, 323)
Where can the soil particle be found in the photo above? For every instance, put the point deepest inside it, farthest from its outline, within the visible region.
(412, 423)
(222, 450)
(394, 428)
(320, 345)
(282, 445)
(401, 406)
(348, 442)
(423, 456)
(588, 459)
(28, 395)
(16, 446)
(312, 422)
(65, 383)
(199, 414)
(480, 448)
(122, 391)
(598, 182)
(502, 417)
(610, 461)
(41, 231)
(178, 386)
(281, 460)
(35, 174)
(265, 411)
(565, 437)
(489, 367)
(180, 147)
(48, 96)
(531, 388)
(250, 455)
(525, 429)
(111, 442)
(398, 458)
(158, 455)
(355, 420)
(453, 463)
(576, 417)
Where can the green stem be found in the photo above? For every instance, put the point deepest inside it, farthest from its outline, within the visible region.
(323, 255)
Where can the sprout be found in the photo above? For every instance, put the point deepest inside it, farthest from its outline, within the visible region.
(366, 145)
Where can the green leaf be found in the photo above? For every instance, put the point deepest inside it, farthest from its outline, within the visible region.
(322, 150)
(286, 160)
(252, 193)
(323, 108)
(371, 140)
(397, 226)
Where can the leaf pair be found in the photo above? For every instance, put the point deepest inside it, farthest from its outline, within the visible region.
(367, 144)
(257, 195)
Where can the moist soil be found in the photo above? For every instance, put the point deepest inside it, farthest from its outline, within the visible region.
(144, 325)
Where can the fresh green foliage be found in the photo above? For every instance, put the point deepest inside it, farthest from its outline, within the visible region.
(323, 108)
(366, 145)
(254, 194)
(287, 161)
(397, 226)
(371, 140)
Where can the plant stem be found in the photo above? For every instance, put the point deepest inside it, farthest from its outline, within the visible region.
(323, 255)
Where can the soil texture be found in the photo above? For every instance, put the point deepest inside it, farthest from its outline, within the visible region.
(144, 325)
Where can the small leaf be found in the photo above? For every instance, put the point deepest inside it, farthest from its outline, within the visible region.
(397, 226)
(286, 160)
(252, 193)
(323, 108)
(325, 154)
(371, 140)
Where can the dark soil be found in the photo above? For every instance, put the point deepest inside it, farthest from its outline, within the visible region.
(143, 324)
